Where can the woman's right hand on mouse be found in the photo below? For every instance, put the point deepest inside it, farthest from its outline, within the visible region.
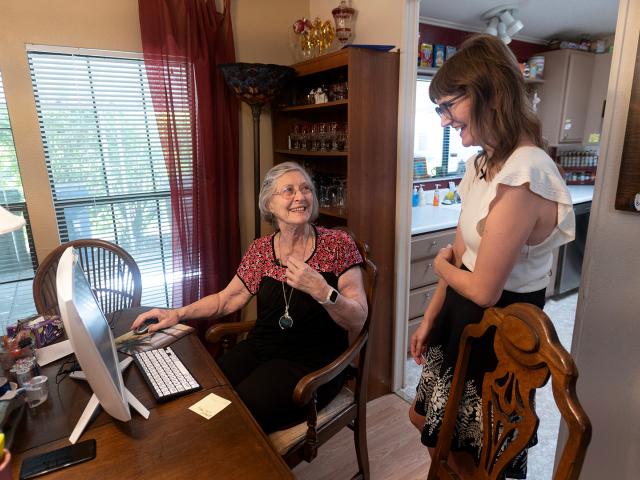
(166, 318)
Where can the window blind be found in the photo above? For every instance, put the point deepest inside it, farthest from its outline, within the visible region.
(17, 254)
(104, 158)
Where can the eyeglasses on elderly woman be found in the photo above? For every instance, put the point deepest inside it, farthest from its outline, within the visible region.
(289, 191)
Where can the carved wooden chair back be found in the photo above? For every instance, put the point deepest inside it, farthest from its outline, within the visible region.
(528, 352)
(112, 273)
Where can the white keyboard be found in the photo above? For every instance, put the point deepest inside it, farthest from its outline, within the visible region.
(165, 374)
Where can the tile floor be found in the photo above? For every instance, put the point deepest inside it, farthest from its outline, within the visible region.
(562, 311)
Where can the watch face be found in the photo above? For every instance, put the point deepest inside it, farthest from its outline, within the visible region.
(333, 297)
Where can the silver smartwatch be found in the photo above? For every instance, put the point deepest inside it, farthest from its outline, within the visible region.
(332, 297)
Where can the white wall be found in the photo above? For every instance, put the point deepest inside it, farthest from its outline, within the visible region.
(607, 330)
(260, 36)
(260, 32)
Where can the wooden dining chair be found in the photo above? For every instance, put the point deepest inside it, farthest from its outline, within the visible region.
(528, 353)
(111, 272)
(347, 409)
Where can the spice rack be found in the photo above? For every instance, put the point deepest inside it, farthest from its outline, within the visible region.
(578, 167)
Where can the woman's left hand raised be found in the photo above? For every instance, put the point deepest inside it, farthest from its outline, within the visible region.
(302, 277)
(445, 255)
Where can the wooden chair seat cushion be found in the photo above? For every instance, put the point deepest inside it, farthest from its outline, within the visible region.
(285, 440)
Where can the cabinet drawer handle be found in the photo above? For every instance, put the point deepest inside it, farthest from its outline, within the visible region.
(427, 295)
(434, 243)
(428, 266)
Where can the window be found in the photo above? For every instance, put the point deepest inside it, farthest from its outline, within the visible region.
(441, 147)
(103, 154)
(17, 254)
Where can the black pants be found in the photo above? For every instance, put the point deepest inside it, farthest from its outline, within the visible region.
(266, 386)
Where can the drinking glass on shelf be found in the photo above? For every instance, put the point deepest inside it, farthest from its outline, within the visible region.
(295, 137)
(326, 137)
(333, 132)
(315, 137)
(342, 193)
(332, 195)
(305, 138)
(323, 201)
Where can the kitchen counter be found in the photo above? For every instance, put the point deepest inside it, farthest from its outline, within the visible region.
(430, 219)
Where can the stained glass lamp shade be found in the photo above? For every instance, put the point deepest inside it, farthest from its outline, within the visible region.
(256, 84)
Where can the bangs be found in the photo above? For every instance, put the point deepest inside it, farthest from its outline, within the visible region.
(446, 82)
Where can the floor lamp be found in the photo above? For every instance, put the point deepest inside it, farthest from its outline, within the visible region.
(256, 84)
(9, 222)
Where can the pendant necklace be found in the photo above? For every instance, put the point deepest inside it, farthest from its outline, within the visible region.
(285, 322)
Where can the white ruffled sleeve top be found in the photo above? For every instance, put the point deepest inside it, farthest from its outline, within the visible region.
(526, 165)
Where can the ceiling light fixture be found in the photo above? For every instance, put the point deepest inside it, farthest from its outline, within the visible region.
(502, 34)
(492, 28)
(513, 25)
(501, 22)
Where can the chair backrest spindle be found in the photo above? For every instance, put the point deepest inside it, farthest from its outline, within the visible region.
(112, 273)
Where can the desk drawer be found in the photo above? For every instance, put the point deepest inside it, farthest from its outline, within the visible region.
(422, 273)
(419, 299)
(427, 246)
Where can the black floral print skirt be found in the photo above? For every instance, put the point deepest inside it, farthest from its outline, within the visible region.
(437, 374)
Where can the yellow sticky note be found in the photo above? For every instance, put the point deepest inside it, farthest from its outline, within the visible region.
(594, 138)
(210, 405)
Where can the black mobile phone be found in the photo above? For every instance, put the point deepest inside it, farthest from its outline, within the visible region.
(55, 460)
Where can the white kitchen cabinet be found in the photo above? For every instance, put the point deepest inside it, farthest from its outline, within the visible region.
(565, 95)
(597, 98)
(422, 279)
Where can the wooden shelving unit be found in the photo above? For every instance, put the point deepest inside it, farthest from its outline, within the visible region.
(336, 212)
(368, 165)
(316, 106)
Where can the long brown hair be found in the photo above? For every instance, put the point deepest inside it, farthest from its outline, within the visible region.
(487, 72)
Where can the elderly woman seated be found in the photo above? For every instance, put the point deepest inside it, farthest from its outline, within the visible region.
(309, 299)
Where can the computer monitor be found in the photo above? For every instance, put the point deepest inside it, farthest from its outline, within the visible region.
(93, 344)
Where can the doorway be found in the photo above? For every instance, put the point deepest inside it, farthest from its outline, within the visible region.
(561, 308)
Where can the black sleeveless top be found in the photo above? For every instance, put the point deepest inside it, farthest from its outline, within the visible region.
(314, 339)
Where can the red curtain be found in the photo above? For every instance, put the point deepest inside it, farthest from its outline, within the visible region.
(183, 42)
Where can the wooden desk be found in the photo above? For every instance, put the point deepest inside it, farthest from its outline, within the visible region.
(173, 443)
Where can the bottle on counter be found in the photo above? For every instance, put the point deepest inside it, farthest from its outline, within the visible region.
(422, 197)
(415, 197)
(436, 195)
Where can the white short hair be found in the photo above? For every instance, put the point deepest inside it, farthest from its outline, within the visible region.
(269, 185)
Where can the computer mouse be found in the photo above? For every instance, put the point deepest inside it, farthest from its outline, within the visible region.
(145, 326)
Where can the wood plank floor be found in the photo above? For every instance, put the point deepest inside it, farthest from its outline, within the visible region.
(395, 451)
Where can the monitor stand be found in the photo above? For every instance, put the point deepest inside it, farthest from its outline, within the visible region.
(94, 403)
